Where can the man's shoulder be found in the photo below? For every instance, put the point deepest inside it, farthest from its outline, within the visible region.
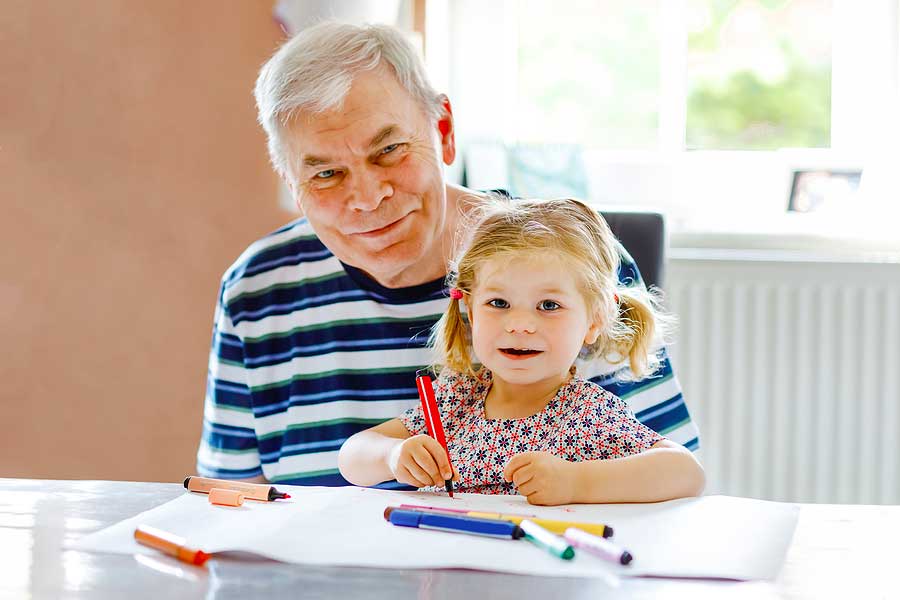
(291, 244)
(628, 274)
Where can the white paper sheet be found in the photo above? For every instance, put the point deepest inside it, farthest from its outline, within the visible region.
(709, 537)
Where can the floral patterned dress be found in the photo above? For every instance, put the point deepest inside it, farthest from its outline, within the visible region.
(582, 422)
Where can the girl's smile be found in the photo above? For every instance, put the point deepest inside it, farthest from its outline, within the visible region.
(519, 353)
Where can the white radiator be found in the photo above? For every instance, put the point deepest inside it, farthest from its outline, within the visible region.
(791, 368)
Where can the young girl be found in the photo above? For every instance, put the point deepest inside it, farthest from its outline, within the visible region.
(538, 283)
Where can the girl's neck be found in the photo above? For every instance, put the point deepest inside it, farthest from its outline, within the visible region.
(516, 401)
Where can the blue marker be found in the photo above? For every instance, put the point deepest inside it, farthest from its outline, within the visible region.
(497, 528)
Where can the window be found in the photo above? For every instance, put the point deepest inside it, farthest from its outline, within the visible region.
(756, 73)
(607, 58)
(759, 74)
(701, 107)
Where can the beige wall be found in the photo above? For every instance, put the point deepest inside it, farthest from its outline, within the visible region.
(132, 173)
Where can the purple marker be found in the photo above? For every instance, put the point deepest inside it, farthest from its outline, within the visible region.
(597, 546)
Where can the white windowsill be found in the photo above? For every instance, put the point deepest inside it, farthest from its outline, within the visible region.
(794, 237)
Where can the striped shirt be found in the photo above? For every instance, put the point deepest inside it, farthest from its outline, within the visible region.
(306, 351)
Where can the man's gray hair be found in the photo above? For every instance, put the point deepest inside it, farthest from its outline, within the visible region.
(313, 71)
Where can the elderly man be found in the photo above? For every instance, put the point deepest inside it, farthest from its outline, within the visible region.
(321, 325)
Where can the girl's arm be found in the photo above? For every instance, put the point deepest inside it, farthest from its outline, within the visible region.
(664, 472)
(387, 451)
(364, 457)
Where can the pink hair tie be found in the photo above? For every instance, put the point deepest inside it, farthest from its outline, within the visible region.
(456, 293)
(616, 298)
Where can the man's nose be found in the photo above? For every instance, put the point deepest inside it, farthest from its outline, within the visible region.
(370, 188)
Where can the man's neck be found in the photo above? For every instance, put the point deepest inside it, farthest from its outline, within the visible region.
(423, 272)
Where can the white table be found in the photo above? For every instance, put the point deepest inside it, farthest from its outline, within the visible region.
(837, 552)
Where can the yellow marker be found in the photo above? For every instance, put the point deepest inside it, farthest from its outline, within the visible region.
(552, 525)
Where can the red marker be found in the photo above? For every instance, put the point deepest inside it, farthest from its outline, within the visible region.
(433, 419)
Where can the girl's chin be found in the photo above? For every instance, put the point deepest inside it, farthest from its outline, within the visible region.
(517, 377)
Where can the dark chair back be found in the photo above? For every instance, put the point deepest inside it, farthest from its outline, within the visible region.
(644, 236)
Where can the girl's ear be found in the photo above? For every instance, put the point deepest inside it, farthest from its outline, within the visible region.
(593, 332)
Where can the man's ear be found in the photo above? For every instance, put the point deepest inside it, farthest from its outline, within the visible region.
(290, 185)
(447, 131)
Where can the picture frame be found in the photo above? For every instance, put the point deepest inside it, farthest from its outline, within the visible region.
(823, 190)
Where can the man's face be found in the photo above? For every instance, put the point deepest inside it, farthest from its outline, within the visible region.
(368, 176)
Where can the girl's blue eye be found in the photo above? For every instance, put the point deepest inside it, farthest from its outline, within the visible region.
(325, 174)
(549, 305)
(498, 303)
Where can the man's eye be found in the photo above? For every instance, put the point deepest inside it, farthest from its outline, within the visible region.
(326, 174)
(498, 303)
(389, 149)
(549, 305)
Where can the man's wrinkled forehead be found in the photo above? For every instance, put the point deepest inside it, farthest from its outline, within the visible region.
(387, 133)
(375, 111)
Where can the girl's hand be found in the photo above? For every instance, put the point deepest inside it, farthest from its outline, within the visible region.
(420, 461)
(542, 477)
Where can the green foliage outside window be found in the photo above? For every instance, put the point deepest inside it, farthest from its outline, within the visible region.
(758, 74)
(589, 73)
(733, 106)
(747, 113)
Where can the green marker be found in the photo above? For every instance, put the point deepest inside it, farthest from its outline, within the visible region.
(550, 542)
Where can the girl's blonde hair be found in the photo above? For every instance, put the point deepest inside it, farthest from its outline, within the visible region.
(501, 227)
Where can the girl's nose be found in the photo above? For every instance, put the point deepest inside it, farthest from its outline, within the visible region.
(519, 323)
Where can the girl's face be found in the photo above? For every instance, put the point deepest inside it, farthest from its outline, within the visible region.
(529, 318)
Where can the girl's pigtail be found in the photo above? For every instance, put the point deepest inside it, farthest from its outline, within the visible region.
(450, 340)
(639, 321)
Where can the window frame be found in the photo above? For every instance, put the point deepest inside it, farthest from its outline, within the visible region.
(859, 98)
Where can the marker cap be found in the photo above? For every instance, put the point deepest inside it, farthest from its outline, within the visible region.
(225, 497)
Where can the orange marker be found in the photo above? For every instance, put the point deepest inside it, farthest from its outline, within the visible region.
(170, 544)
(251, 491)
(225, 497)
